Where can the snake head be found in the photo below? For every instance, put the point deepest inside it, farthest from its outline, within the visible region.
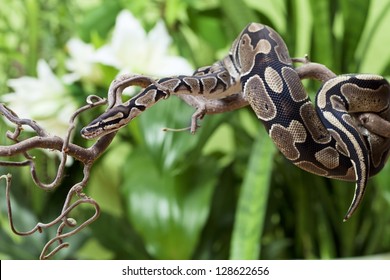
(108, 122)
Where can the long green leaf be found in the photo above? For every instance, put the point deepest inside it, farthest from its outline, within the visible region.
(33, 32)
(322, 32)
(355, 15)
(238, 13)
(252, 204)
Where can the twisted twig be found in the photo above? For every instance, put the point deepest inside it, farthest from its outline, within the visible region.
(43, 140)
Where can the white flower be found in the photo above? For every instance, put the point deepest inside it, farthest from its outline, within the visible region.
(132, 50)
(81, 63)
(43, 99)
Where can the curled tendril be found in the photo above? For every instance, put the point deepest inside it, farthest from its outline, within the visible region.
(93, 99)
(69, 222)
(75, 196)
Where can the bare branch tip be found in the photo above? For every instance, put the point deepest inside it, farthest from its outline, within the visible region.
(93, 99)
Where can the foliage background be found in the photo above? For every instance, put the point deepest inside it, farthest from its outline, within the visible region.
(224, 193)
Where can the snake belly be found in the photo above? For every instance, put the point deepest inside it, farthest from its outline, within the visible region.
(323, 140)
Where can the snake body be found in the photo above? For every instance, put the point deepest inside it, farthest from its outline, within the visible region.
(326, 139)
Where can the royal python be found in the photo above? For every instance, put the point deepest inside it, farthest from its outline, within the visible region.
(327, 139)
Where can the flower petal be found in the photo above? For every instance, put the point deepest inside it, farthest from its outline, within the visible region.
(43, 99)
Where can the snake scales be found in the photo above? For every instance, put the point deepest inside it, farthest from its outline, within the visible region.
(327, 139)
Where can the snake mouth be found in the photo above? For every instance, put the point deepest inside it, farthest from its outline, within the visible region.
(94, 133)
(91, 133)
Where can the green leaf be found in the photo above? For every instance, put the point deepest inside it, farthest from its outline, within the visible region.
(106, 177)
(355, 14)
(299, 28)
(322, 32)
(274, 10)
(168, 211)
(175, 10)
(238, 13)
(209, 29)
(121, 243)
(252, 204)
(373, 44)
(33, 31)
(108, 11)
(174, 150)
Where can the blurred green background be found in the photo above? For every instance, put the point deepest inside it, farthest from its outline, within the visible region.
(224, 193)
